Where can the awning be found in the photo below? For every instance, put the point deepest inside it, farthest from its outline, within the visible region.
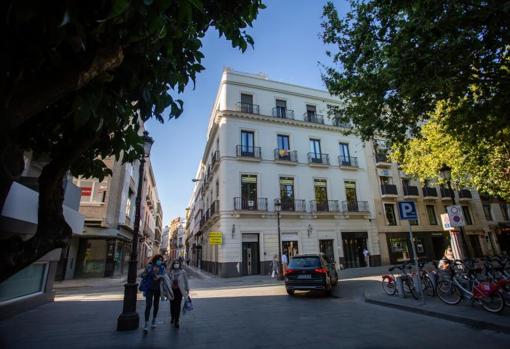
(98, 232)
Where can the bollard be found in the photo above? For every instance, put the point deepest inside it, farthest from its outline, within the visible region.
(400, 287)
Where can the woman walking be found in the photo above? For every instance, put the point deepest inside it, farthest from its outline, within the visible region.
(180, 289)
(274, 267)
(151, 287)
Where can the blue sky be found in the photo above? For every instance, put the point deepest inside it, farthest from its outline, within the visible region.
(287, 48)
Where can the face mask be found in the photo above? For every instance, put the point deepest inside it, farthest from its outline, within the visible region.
(158, 262)
(176, 266)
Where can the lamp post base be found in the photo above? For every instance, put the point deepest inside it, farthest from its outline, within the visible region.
(128, 322)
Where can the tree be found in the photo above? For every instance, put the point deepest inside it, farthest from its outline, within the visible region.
(399, 60)
(80, 78)
(477, 167)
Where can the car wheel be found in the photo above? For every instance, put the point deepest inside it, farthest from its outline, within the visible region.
(290, 292)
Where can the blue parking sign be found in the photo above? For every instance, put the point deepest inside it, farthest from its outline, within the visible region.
(407, 210)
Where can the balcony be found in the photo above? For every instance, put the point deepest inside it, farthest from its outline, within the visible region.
(429, 193)
(215, 160)
(283, 113)
(318, 160)
(411, 191)
(248, 108)
(313, 118)
(324, 207)
(349, 206)
(286, 156)
(248, 152)
(348, 162)
(290, 205)
(381, 159)
(389, 191)
(214, 209)
(336, 122)
(241, 204)
(446, 194)
(465, 195)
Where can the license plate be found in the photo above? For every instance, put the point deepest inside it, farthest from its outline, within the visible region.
(304, 276)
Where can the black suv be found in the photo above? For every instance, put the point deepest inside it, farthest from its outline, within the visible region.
(310, 272)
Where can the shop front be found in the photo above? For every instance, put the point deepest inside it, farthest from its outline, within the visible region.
(503, 238)
(429, 245)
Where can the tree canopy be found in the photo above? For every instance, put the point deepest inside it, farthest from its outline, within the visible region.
(395, 61)
(80, 77)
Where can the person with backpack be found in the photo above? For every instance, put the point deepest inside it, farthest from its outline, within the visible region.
(151, 288)
(180, 289)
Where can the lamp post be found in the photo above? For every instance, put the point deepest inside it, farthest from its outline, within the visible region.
(445, 172)
(278, 208)
(129, 319)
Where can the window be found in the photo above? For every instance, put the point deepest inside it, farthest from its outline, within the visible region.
(504, 211)
(391, 219)
(405, 182)
(310, 112)
(386, 180)
(487, 211)
(287, 193)
(217, 189)
(345, 155)
(249, 192)
(281, 108)
(467, 215)
(321, 194)
(351, 196)
(246, 103)
(92, 191)
(247, 143)
(129, 203)
(432, 215)
(315, 150)
(283, 142)
(28, 281)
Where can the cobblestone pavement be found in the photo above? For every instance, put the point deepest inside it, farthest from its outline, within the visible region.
(249, 312)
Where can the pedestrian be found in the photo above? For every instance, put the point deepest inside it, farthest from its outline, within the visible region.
(285, 262)
(447, 258)
(151, 287)
(366, 254)
(180, 289)
(274, 266)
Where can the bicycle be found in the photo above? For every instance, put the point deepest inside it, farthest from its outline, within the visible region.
(389, 281)
(464, 285)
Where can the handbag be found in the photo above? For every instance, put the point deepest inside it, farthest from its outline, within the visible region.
(188, 305)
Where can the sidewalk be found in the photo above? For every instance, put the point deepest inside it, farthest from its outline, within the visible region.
(474, 316)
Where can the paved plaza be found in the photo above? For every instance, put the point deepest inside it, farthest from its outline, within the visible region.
(250, 312)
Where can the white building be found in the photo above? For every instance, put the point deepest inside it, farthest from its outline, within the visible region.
(270, 141)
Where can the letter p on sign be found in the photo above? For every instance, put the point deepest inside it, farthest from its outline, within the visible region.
(407, 210)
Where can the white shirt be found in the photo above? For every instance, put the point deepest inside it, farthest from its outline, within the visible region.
(284, 259)
(365, 252)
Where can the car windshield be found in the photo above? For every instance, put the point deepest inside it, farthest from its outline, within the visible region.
(305, 262)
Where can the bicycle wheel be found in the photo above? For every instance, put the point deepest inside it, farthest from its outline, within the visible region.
(448, 292)
(409, 287)
(388, 285)
(493, 303)
(428, 287)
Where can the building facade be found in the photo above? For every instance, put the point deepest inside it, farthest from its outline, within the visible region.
(33, 285)
(274, 142)
(109, 209)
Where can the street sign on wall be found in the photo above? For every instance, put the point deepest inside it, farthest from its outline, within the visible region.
(215, 238)
(456, 216)
(407, 210)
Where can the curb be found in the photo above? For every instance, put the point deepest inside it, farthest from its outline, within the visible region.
(478, 324)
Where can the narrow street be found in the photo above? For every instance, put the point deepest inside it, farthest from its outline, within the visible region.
(249, 312)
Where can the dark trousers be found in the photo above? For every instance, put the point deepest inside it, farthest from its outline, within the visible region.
(151, 296)
(175, 305)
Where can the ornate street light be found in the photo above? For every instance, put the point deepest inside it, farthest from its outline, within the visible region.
(278, 209)
(129, 319)
(445, 173)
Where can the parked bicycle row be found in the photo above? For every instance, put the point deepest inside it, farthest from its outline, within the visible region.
(484, 281)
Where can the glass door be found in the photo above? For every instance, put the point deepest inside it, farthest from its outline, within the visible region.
(283, 147)
(351, 196)
(345, 154)
(287, 193)
(247, 143)
(248, 192)
(315, 150)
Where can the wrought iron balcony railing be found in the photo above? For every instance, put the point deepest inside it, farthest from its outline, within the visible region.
(248, 108)
(355, 206)
(430, 192)
(465, 194)
(259, 204)
(313, 117)
(248, 151)
(411, 190)
(318, 158)
(283, 113)
(389, 189)
(324, 206)
(349, 161)
(285, 155)
(292, 205)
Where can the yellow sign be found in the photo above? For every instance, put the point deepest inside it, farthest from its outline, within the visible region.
(215, 238)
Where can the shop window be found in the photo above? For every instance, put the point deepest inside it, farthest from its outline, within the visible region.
(391, 219)
(30, 280)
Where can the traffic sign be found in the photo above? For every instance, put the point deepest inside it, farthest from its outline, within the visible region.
(407, 210)
(445, 219)
(456, 216)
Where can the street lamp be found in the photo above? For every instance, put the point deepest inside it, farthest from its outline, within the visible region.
(194, 180)
(129, 319)
(278, 209)
(445, 172)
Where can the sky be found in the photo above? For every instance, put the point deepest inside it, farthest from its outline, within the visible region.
(287, 48)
